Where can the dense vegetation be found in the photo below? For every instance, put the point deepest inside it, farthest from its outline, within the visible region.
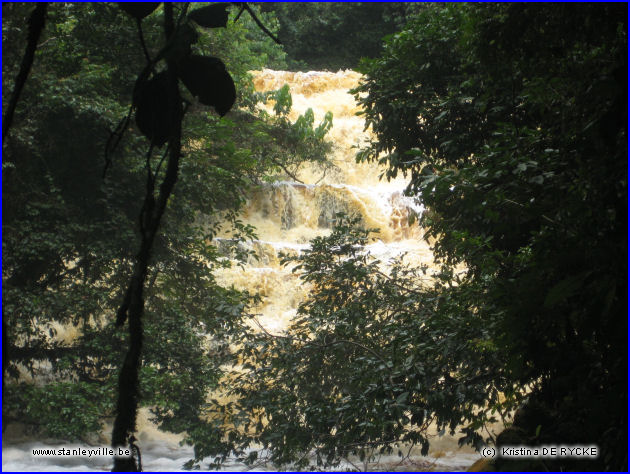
(516, 142)
(334, 35)
(70, 217)
(508, 119)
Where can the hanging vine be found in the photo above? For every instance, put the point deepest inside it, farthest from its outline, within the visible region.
(159, 110)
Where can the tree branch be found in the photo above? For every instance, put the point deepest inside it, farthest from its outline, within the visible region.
(260, 24)
(144, 45)
(35, 26)
(284, 168)
(36, 23)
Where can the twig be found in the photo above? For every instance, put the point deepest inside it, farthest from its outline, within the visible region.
(141, 36)
(118, 133)
(284, 168)
(240, 12)
(52, 38)
(353, 464)
(548, 219)
(259, 23)
(322, 177)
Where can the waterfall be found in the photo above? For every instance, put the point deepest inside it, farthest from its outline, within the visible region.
(287, 215)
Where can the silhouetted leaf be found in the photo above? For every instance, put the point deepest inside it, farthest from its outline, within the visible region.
(425, 447)
(157, 108)
(138, 10)
(179, 46)
(212, 16)
(206, 78)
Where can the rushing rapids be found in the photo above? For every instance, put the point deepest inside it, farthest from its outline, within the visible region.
(287, 215)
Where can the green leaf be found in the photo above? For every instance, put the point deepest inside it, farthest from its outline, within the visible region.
(402, 398)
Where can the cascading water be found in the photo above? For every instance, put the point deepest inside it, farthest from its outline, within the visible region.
(287, 215)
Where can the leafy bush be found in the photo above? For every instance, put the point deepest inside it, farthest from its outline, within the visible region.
(515, 141)
(70, 231)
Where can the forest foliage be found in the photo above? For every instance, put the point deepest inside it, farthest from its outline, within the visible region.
(335, 35)
(509, 120)
(516, 143)
(70, 229)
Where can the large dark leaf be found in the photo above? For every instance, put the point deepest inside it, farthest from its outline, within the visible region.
(206, 78)
(179, 45)
(158, 108)
(138, 9)
(212, 16)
